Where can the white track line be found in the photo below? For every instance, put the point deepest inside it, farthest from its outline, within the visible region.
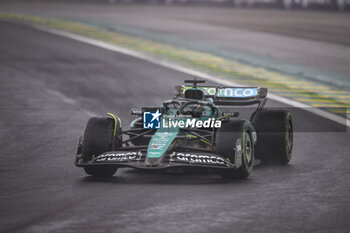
(70, 101)
(185, 70)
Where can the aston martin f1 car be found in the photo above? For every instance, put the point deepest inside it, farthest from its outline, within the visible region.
(191, 130)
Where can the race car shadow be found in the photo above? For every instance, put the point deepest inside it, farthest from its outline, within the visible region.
(262, 166)
(188, 176)
(183, 177)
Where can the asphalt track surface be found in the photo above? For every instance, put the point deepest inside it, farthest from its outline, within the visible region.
(51, 85)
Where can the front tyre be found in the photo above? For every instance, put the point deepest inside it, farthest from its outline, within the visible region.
(234, 142)
(98, 138)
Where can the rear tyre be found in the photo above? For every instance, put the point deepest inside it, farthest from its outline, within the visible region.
(274, 136)
(234, 138)
(98, 138)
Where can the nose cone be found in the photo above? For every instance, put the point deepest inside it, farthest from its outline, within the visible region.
(159, 144)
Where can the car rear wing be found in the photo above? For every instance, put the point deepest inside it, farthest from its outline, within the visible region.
(238, 96)
(235, 96)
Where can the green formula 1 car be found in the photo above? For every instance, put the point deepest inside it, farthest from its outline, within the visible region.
(193, 129)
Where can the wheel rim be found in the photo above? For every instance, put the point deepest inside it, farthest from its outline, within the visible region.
(248, 150)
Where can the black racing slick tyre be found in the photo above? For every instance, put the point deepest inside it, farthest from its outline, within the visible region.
(234, 138)
(274, 130)
(99, 138)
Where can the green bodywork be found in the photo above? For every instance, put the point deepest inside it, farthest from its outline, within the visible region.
(161, 141)
(164, 138)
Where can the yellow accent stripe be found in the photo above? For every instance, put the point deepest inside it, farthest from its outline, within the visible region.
(115, 123)
(193, 136)
(221, 117)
